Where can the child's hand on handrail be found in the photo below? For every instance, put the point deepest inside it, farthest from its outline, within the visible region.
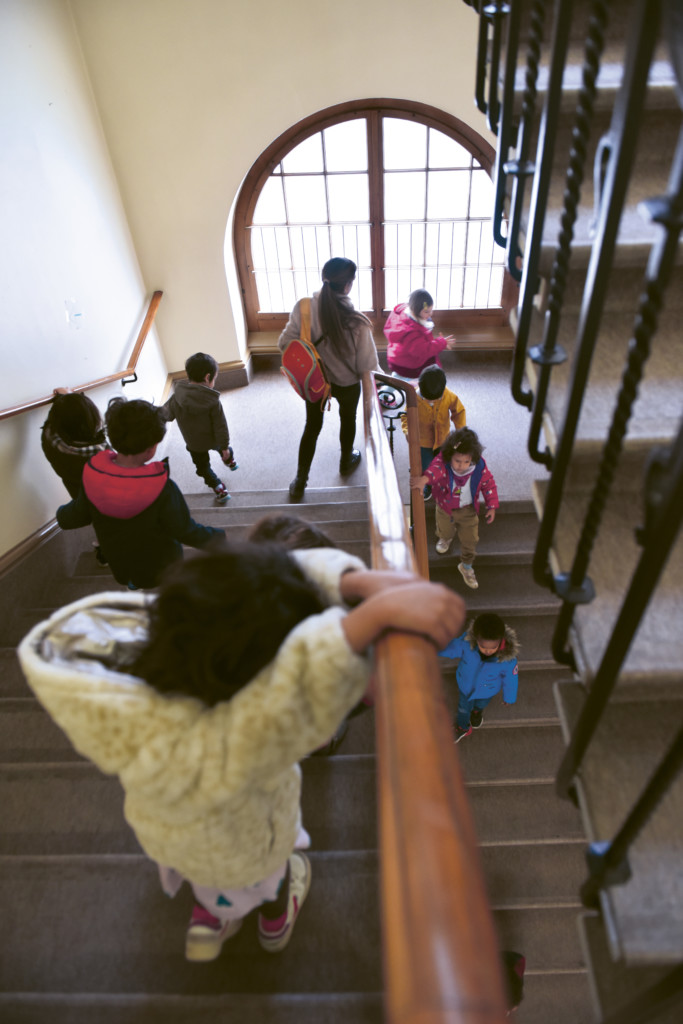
(429, 609)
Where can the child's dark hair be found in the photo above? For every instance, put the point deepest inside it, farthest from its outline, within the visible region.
(75, 418)
(134, 426)
(432, 383)
(290, 531)
(198, 365)
(488, 626)
(219, 619)
(337, 316)
(464, 441)
(419, 300)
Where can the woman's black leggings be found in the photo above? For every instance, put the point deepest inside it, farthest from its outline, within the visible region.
(348, 403)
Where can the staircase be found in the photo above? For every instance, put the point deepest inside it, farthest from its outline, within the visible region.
(604, 289)
(87, 933)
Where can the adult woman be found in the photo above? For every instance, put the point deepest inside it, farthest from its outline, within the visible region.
(347, 349)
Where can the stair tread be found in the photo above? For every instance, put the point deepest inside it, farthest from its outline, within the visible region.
(656, 411)
(646, 913)
(613, 985)
(614, 558)
(99, 952)
(511, 587)
(158, 1008)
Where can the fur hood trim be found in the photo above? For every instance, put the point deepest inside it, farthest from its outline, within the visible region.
(510, 650)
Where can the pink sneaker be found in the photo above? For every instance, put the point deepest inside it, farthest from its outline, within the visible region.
(206, 934)
(274, 935)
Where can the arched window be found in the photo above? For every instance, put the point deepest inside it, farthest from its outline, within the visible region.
(402, 189)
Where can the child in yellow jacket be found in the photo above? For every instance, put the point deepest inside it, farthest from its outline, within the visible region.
(437, 408)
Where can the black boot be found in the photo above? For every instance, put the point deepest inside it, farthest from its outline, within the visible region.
(297, 488)
(348, 464)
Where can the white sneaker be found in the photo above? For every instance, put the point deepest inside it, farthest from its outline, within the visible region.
(299, 883)
(205, 935)
(442, 546)
(467, 573)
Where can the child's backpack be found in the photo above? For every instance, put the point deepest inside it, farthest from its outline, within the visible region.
(301, 363)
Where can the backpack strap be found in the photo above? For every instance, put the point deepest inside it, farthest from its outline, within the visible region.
(305, 309)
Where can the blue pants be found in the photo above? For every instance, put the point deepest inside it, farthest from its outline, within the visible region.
(465, 707)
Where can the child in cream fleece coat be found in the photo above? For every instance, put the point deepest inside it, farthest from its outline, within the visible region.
(203, 700)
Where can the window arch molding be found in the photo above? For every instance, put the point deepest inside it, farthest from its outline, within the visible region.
(373, 110)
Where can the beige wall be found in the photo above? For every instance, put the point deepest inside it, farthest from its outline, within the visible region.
(191, 91)
(64, 237)
(127, 127)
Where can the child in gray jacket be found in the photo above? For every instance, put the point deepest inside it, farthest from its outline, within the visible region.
(196, 405)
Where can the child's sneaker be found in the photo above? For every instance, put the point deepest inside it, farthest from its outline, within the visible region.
(221, 492)
(205, 935)
(442, 546)
(477, 717)
(461, 733)
(230, 460)
(274, 935)
(467, 573)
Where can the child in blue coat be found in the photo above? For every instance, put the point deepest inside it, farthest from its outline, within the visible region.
(488, 652)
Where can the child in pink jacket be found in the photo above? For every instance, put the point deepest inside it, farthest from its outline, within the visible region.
(409, 332)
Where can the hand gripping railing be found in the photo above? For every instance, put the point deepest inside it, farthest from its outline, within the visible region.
(441, 960)
(122, 375)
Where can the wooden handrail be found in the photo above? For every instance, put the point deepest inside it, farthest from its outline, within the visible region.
(441, 956)
(130, 369)
(415, 466)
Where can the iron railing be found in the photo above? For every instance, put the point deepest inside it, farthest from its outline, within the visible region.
(527, 230)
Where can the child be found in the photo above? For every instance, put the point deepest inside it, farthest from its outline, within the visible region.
(196, 405)
(71, 434)
(436, 404)
(204, 700)
(488, 652)
(409, 333)
(140, 517)
(458, 476)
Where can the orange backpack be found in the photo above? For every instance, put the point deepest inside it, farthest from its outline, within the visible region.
(301, 363)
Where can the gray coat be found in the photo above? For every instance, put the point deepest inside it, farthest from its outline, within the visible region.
(200, 416)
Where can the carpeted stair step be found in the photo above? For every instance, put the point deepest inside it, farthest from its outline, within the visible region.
(615, 556)
(28, 734)
(503, 588)
(262, 501)
(12, 682)
(546, 935)
(246, 515)
(613, 985)
(69, 807)
(519, 873)
(656, 411)
(275, 1008)
(522, 812)
(512, 753)
(643, 916)
(555, 997)
(105, 927)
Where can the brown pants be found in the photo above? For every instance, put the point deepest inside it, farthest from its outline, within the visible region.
(465, 523)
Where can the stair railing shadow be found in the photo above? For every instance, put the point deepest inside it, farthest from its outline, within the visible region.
(440, 951)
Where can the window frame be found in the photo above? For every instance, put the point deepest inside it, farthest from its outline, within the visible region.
(372, 110)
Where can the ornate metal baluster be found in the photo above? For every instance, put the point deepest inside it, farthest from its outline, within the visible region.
(625, 121)
(520, 168)
(549, 353)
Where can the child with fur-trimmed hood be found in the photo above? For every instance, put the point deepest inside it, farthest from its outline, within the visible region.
(488, 652)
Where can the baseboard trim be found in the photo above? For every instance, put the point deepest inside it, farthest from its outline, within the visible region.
(235, 374)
